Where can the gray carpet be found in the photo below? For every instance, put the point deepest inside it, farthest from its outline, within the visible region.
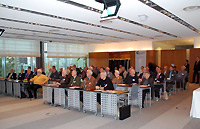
(171, 114)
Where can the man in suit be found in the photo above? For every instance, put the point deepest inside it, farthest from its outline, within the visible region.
(54, 75)
(132, 78)
(89, 82)
(117, 79)
(165, 71)
(12, 75)
(196, 70)
(28, 74)
(158, 79)
(181, 76)
(109, 74)
(65, 79)
(21, 75)
(171, 75)
(75, 80)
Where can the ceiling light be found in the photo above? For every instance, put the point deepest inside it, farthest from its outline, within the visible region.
(191, 8)
(143, 17)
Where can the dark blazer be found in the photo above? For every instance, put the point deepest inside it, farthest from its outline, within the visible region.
(159, 78)
(75, 82)
(196, 66)
(131, 79)
(65, 81)
(89, 83)
(54, 75)
(28, 76)
(14, 76)
(107, 82)
(173, 75)
(21, 76)
(182, 74)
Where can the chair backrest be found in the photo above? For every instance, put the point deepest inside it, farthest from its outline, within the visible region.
(134, 91)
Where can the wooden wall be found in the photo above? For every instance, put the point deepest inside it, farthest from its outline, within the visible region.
(176, 57)
(151, 57)
(99, 59)
(132, 58)
(193, 54)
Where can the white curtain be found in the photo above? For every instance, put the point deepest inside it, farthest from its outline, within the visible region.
(19, 48)
(66, 50)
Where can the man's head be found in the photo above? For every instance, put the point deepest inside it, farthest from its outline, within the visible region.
(85, 68)
(35, 69)
(171, 68)
(165, 68)
(53, 70)
(90, 68)
(116, 73)
(61, 69)
(158, 69)
(197, 58)
(39, 72)
(11, 70)
(74, 73)
(132, 72)
(107, 69)
(64, 73)
(22, 70)
(123, 68)
(101, 69)
(145, 70)
(54, 67)
(50, 70)
(29, 71)
(103, 75)
(89, 73)
(183, 68)
(142, 67)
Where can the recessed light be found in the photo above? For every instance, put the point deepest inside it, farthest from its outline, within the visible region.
(191, 8)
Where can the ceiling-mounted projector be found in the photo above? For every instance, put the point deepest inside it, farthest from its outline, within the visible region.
(111, 9)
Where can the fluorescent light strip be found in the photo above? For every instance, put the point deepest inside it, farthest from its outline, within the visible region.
(120, 18)
(71, 20)
(56, 27)
(44, 32)
(168, 14)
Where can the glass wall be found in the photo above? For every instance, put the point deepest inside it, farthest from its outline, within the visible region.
(17, 63)
(63, 63)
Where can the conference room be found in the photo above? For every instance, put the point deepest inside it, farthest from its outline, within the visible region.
(99, 64)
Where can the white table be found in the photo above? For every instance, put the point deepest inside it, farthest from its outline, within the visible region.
(195, 108)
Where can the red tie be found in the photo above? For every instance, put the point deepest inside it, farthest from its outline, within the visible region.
(157, 76)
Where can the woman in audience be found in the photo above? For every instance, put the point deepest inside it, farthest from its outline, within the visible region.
(104, 83)
(132, 78)
(145, 80)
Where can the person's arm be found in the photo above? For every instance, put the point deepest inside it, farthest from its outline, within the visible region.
(32, 79)
(109, 85)
(46, 79)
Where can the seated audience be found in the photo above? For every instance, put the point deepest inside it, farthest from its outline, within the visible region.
(65, 78)
(104, 83)
(21, 75)
(132, 78)
(109, 74)
(38, 80)
(89, 82)
(182, 75)
(28, 75)
(171, 75)
(165, 71)
(12, 75)
(75, 80)
(54, 75)
(117, 79)
(158, 79)
(145, 80)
